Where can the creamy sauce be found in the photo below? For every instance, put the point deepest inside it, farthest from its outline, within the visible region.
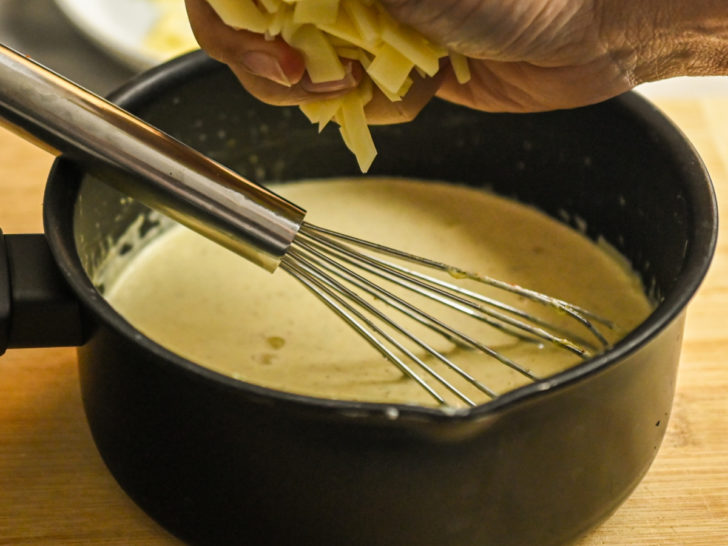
(210, 306)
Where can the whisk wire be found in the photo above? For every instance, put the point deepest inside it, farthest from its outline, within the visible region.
(408, 309)
(325, 288)
(455, 297)
(386, 270)
(346, 312)
(414, 312)
(326, 263)
(584, 316)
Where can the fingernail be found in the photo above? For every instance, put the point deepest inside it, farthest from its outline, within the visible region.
(265, 65)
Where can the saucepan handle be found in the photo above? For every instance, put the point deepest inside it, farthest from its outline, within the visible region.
(37, 308)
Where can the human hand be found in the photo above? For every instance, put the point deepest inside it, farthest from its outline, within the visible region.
(525, 55)
(534, 55)
(275, 73)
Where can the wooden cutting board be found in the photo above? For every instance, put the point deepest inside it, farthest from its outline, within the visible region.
(54, 488)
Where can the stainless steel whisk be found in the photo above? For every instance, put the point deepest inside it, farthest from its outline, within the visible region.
(331, 265)
(261, 226)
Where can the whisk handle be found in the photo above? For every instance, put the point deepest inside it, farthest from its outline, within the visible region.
(144, 162)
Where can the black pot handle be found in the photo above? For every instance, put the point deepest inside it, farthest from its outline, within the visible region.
(37, 308)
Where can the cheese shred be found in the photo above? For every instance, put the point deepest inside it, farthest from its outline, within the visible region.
(327, 31)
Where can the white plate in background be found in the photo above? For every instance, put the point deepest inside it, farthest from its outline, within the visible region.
(681, 88)
(139, 33)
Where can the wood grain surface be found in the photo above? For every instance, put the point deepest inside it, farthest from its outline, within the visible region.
(54, 488)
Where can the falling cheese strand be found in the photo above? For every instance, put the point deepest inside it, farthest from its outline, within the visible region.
(326, 31)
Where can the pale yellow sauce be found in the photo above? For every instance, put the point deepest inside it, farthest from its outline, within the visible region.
(216, 309)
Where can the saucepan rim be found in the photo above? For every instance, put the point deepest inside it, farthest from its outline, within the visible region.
(58, 218)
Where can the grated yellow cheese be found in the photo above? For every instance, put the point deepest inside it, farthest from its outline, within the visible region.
(316, 11)
(322, 62)
(390, 69)
(325, 31)
(460, 67)
(243, 14)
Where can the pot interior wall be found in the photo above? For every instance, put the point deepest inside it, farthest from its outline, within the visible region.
(602, 169)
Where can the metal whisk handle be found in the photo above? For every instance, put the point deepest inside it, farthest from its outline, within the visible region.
(145, 163)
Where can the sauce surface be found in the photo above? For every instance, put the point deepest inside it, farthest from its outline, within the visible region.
(212, 307)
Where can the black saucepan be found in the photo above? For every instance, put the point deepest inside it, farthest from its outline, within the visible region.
(219, 461)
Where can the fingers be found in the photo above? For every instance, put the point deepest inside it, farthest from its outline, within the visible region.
(381, 111)
(271, 59)
(275, 73)
(270, 70)
(274, 93)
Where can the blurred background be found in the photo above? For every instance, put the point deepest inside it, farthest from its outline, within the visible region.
(97, 43)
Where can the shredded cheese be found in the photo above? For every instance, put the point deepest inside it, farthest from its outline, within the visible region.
(326, 31)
